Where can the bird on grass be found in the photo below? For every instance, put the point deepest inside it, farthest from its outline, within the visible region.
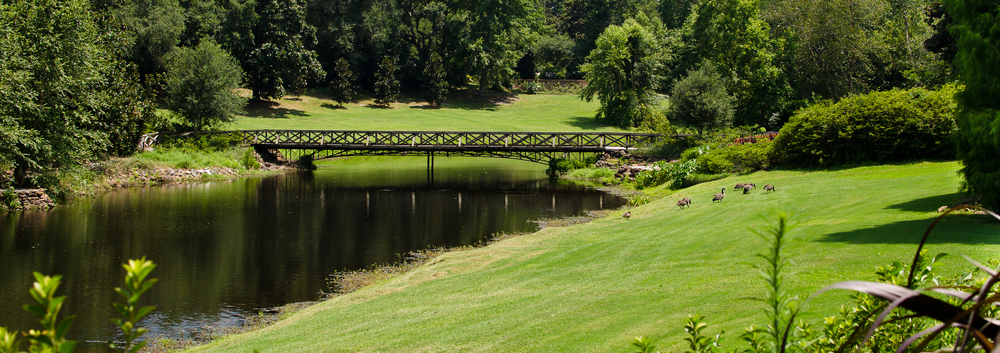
(628, 214)
(685, 202)
(719, 196)
(746, 189)
(768, 187)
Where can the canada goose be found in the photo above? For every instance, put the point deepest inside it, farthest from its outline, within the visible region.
(627, 214)
(684, 202)
(687, 200)
(768, 187)
(719, 196)
(750, 185)
(739, 186)
(746, 189)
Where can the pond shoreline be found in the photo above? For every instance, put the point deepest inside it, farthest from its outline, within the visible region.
(346, 282)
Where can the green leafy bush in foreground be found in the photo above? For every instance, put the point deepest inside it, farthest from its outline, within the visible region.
(52, 337)
(876, 127)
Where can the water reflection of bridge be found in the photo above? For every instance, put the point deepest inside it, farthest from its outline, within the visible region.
(537, 147)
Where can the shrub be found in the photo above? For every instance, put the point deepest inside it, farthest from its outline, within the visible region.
(737, 158)
(876, 127)
(663, 172)
(532, 87)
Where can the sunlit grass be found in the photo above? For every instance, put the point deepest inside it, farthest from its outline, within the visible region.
(184, 158)
(594, 287)
(462, 112)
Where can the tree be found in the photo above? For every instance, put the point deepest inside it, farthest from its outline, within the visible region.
(59, 87)
(342, 85)
(273, 42)
(435, 84)
(700, 99)
(151, 29)
(833, 46)
(386, 84)
(553, 53)
(977, 30)
(499, 34)
(731, 34)
(623, 71)
(201, 82)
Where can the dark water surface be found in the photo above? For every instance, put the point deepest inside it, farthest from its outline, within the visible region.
(226, 249)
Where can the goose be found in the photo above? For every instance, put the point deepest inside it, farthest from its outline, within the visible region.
(719, 196)
(739, 186)
(768, 187)
(628, 214)
(687, 200)
(746, 189)
(684, 202)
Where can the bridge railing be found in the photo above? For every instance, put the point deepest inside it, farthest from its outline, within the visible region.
(444, 139)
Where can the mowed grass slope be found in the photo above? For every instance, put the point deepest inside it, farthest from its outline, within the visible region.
(462, 112)
(593, 287)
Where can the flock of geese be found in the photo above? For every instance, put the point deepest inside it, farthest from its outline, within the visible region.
(745, 187)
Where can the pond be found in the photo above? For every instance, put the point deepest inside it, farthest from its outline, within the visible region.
(232, 248)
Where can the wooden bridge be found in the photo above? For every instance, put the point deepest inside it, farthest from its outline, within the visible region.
(531, 146)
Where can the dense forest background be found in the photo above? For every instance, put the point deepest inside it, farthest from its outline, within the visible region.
(93, 72)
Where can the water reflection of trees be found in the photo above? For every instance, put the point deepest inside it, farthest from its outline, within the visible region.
(237, 246)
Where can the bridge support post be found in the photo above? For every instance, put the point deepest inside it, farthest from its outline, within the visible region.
(430, 168)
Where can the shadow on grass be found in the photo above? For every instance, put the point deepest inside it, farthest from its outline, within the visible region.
(332, 106)
(270, 110)
(928, 204)
(586, 123)
(841, 167)
(955, 229)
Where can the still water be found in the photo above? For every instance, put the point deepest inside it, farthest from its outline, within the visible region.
(226, 249)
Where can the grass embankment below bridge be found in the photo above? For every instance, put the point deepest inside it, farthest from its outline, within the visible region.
(462, 112)
(593, 287)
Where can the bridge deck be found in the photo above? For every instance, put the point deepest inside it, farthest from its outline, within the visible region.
(517, 142)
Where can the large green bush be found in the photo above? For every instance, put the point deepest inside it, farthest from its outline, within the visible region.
(876, 127)
(736, 158)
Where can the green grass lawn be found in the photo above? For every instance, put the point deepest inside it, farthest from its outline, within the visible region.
(462, 112)
(593, 287)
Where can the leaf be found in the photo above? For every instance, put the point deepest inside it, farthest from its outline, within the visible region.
(144, 311)
(64, 326)
(917, 302)
(34, 309)
(980, 266)
(67, 347)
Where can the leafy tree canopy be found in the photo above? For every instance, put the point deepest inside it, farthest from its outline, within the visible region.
(700, 100)
(977, 29)
(623, 72)
(202, 82)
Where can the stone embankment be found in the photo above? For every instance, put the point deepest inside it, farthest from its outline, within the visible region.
(159, 176)
(33, 199)
(625, 165)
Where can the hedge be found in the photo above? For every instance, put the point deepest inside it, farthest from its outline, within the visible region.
(876, 127)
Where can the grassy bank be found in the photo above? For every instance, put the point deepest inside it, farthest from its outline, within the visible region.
(593, 287)
(462, 112)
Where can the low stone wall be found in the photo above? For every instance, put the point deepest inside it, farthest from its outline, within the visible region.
(33, 199)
